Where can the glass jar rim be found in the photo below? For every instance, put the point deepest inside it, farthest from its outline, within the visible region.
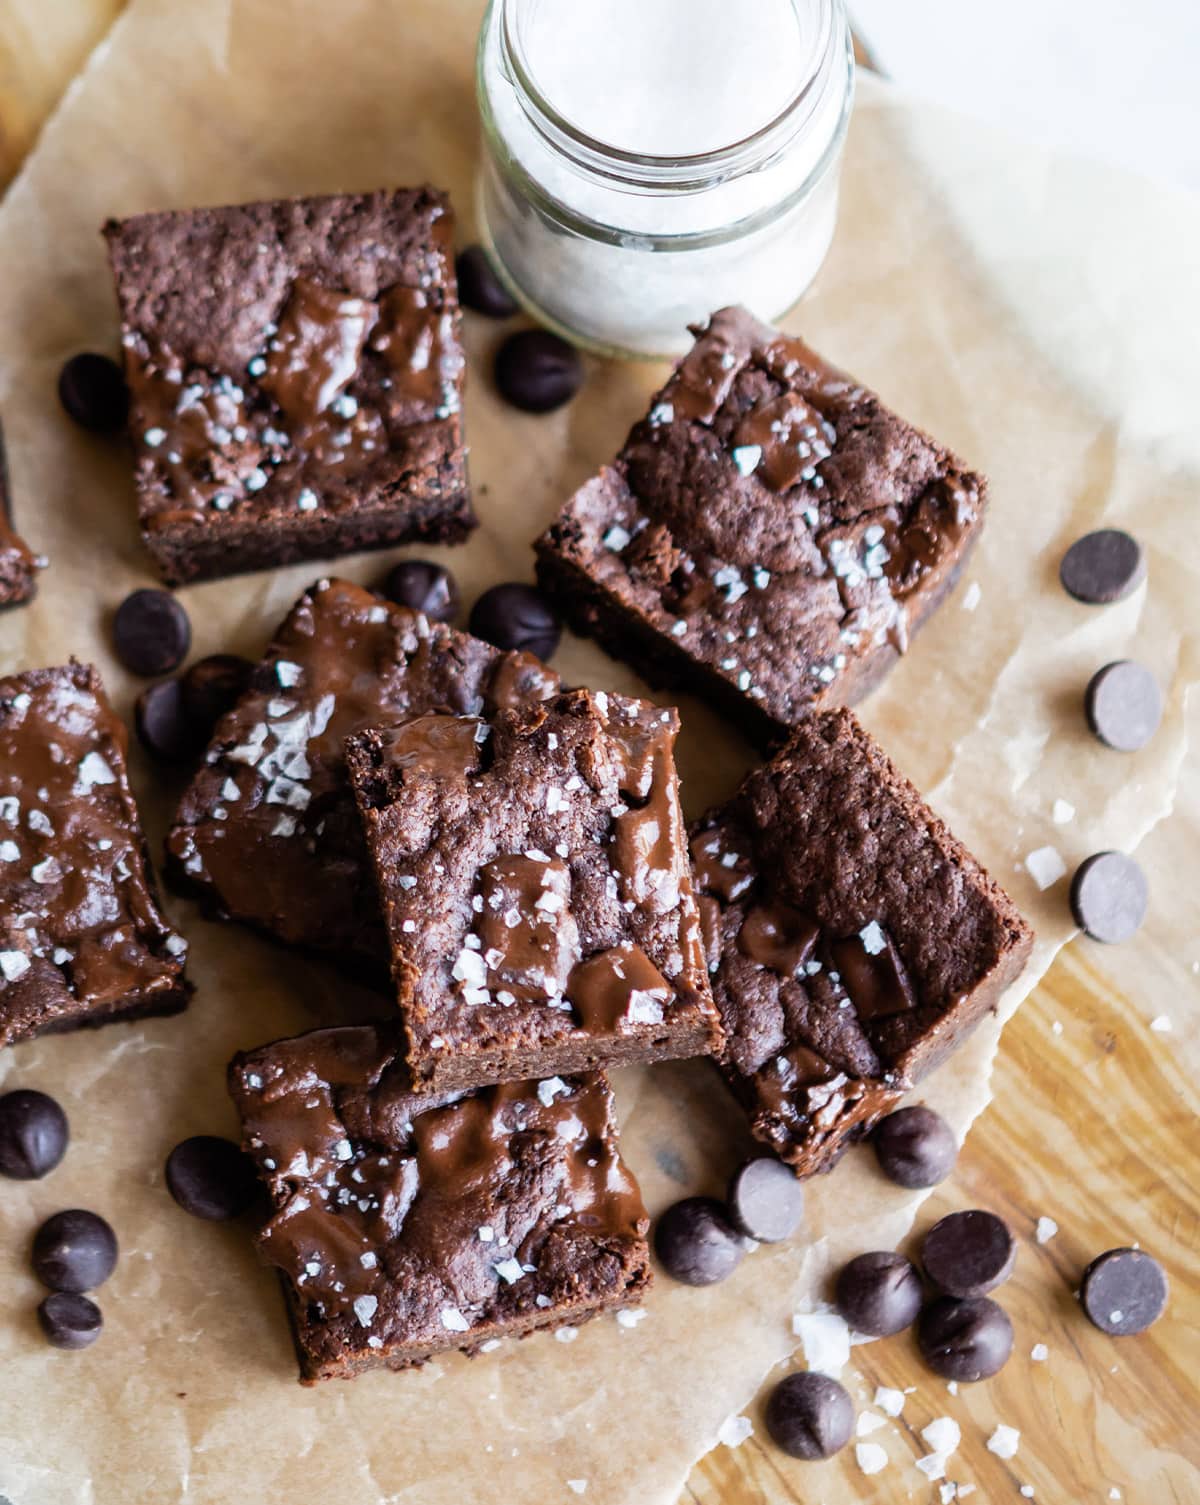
(648, 171)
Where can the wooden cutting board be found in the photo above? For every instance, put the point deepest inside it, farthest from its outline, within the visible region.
(1093, 1125)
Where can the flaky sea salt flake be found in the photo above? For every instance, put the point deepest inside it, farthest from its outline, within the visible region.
(871, 1457)
(1004, 1441)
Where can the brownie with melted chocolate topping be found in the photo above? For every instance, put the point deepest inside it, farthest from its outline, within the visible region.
(536, 889)
(770, 536)
(852, 941)
(18, 563)
(82, 939)
(296, 376)
(267, 832)
(404, 1225)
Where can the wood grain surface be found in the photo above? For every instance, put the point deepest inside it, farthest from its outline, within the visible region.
(1093, 1125)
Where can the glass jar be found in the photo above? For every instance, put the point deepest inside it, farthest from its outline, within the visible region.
(649, 161)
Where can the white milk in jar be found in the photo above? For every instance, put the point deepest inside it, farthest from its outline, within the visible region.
(649, 161)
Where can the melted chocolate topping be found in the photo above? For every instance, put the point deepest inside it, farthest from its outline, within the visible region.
(422, 1215)
(314, 355)
(334, 375)
(529, 936)
(873, 974)
(778, 937)
(446, 746)
(519, 678)
(617, 989)
(863, 971)
(719, 871)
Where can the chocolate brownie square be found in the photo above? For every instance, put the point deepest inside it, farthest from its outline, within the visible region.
(770, 536)
(82, 939)
(536, 890)
(18, 563)
(405, 1225)
(296, 375)
(853, 942)
(267, 832)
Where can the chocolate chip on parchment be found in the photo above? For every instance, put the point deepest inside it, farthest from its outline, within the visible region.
(211, 1178)
(69, 1320)
(92, 390)
(213, 685)
(536, 371)
(1124, 705)
(969, 1253)
(151, 632)
(696, 1243)
(965, 1338)
(33, 1134)
(765, 1200)
(163, 726)
(425, 587)
(809, 1415)
(1109, 894)
(74, 1250)
(1102, 567)
(915, 1147)
(479, 288)
(516, 616)
(879, 1293)
(1123, 1291)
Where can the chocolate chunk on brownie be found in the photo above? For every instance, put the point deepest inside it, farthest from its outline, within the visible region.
(769, 537)
(853, 942)
(82, 939)
(404, 1225)
(18, 563)
(295, 374)
(536, 889)
(267, 832)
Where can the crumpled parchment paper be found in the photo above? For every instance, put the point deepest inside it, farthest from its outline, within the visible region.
(1036, 314)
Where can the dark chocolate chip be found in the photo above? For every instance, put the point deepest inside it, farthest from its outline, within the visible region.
(92, 390)
(536, 371)
(969, 1253)
(915, 1147)
(151, 632)
(212, 686)
(965, 1338)
(516, 616)
(70, 1320)
(1109, 895)
(766, 1200)
(879, 1293)
(163, 725)
(696, 1242)
(1124, 705)
(1124, 1291)
(479, 287)
(74, 1251)
(809, 1415)
(33, 1134)
(425, 587)
(1103, 566)
(211, 1178)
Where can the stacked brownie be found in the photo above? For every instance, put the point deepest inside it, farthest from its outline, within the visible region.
(402, 797)
(507, 859)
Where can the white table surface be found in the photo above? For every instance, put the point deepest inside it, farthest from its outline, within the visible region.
(1117, 80)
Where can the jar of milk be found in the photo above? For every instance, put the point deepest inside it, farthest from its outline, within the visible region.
(648, 161)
